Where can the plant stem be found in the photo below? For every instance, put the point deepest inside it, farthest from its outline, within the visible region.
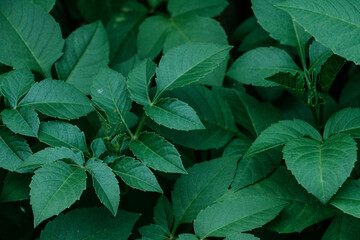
(140, 126)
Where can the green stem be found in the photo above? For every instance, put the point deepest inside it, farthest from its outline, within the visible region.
(140, 126)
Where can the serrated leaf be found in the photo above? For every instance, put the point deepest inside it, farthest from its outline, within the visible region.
(329, 71)
(98, 147)
(54, 188)
(210, 8)
(188, 64)
(24, 121)
(294, 84)
(163, 213)
(109, 92)
(62, 134)
(153, 232)
(175, 114)
(15, 188)
(31, 37)
(253, 67)
(236, 216)
(333, 24)
(347, 199)
(136, 175)
(57, 99)
(321, 167)
(49, 155)
(345, 121)
(157, 153)
(14, 150)
(47, 5)
(343, 227)
(15, 84)
(139, 80)
(86, 52)
(90, 223)
(280, 133)
(318, 55)
(204, 183)
(105, 183)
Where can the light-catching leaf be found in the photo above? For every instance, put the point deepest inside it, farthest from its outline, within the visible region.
(15, 188)
(343, 227)
(47, 5)
(318, 55)
(321, 167)
(253, 67)
(347, 199)
(136, 175)
(205, 183)
(24, 121)
(280, 133)
(105, 184)
(54, 188)
(345, 121)
(30, 37)
(90, 223)
(175, 114)
(57, 99)
(86, 52)
(210, 8)
(163, 213)
(157, 153)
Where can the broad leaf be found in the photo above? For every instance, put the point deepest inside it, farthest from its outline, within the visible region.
(253, 67)
(14, 150)
(163, 213)
(105, 184)
(236, 216)
(15, 188)
(294, 84)
(188, 64)
(318, 55)
(57, 99)
(205, 183)
(62, 134)
(90, 223)
(54, 188)
(210, 8)
(109, 92)
(187, 236)
(347, 199)
(136, 175)
(321, 167)
(345, 121)
(49, 155)
(24, 121)
(15, 84)
(343, 227)
(157, 153)
(31, 37)
(139, 80)
(332, 23)
(86, 52)
(280, 133)
(98, 147)
(175, 114)
(329, 71)
(47, 5)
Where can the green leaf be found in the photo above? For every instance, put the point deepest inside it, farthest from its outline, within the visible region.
(49, 155)
(333, 24)
(57, 99)
(16, 187)
(93, 10)
(90, 223)
(62, 134)
(280, 133)
(205, 183)
(98, 147)
(345, 121)
(214, 113)
(282, 27)
(347, 199)
(188, 64)
(321, 167)
(155, 3)
(318, 55)
(16, 84)
(329, 71)
(343, 227)
(105, 183)
(187, 236)
(136, 175)
(54, 188)
(86, 52)
(241, 236)
(31, 37)
(152, 232)
(253, 67)
(303, 209)
(109, 92)
(157, 153)
(24, 121)
(236, 216)
(175, 114)
(47, 5)
(210, 8)
(152, 34)
(14, 150)
(163, 213)
(139, 80)
(293, 84)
